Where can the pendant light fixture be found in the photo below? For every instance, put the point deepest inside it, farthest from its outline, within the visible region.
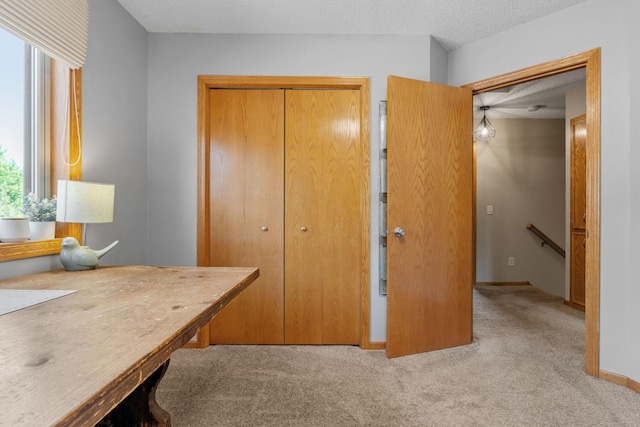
(485, 131)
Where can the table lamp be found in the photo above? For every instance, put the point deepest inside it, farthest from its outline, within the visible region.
(86, 203)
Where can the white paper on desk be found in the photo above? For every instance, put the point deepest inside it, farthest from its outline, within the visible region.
(17, 299)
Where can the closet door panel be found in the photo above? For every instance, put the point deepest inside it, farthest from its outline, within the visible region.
(322, 217)
(246, 209)
(303, 196)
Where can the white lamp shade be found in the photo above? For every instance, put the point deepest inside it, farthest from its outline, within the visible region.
(85, 202)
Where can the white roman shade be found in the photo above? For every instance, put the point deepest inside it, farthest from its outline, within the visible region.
(58, 28)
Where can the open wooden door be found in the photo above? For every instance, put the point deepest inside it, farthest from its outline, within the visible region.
(430, 218)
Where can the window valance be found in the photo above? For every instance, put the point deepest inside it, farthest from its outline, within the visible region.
(59, 28)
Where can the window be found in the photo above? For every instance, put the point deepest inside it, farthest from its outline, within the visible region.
(24, 94)
(12, 117)
(35, 124)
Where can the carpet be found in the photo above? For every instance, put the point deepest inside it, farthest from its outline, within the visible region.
(525, 367)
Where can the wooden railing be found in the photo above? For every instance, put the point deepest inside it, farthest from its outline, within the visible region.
(545, 239)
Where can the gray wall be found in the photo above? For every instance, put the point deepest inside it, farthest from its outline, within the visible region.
(609, 24)
(521, 174)
(114, 116)
(632, 315)
(115, 128)
(9, 269)
(438, 63)
(175, 61)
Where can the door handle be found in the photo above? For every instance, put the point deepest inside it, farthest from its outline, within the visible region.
(399, 232)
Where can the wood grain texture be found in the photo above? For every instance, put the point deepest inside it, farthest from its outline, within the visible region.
(246, 195)
(573, 305)
(590, 60)
(282, 82)
(534, 72)
(377, 345)
(11, 251)
(69, 361)
(620, 380)
(205, 83)
(430, 183)
(204, 174)
(505, 283)
(365, 220)
(578, 166)
(577, 268)
(592, 251)
(63, 110)
(578, 209)
(322, 181)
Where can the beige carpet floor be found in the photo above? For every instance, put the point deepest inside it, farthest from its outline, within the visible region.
(524, 368)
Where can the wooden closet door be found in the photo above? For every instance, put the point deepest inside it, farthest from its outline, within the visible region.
(246, 209)
(322, 217)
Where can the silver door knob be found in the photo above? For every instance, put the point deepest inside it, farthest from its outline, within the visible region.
(399, 232)
(303, 229)
(265, 228)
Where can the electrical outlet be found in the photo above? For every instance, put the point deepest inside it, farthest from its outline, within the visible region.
(489, 210)
(512, 261)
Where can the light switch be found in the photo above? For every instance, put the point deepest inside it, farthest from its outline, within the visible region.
(489, 210)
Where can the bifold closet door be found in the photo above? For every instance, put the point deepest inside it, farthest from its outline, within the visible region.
(322, 217)
(246, 209)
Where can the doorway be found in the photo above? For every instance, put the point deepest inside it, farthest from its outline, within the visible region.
(590, 60)
(521, 182)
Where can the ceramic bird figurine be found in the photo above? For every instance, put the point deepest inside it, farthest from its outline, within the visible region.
(75, 257)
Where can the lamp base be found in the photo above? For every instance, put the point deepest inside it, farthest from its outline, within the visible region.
(78, 258)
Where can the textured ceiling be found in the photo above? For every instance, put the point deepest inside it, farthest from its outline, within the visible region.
(548, 94)
(452, 22)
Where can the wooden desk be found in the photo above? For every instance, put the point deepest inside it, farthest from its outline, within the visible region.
(71, 360)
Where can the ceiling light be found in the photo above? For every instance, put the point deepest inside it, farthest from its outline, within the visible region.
(485, 131)
(534, 108)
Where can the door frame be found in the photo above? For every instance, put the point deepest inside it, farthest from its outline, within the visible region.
(207, 82)
(590, 60)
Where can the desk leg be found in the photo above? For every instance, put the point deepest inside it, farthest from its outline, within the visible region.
(140, 407)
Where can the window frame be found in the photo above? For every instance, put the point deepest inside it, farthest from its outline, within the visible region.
(63, 105)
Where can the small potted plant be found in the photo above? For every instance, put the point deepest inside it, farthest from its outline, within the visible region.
(42, 216)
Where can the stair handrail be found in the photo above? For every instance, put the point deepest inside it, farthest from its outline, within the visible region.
(545, 239)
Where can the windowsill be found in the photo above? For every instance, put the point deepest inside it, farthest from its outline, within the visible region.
(13, 251)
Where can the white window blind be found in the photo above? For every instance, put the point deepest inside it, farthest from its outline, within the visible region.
(59, 28)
